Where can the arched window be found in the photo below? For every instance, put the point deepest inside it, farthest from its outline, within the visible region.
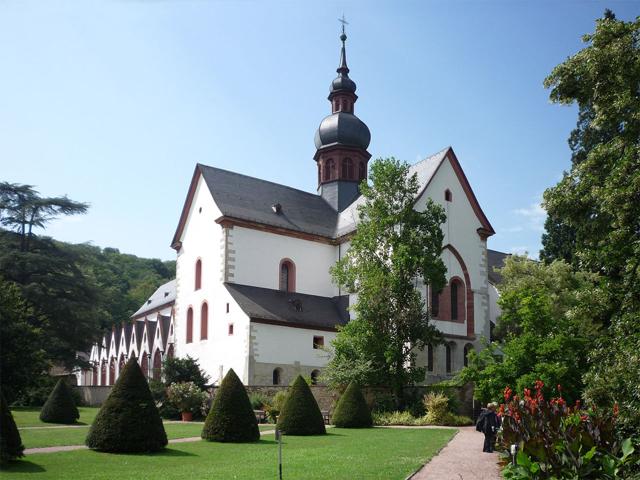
(157, 365)
(456, 297)
(429, 358)
(103, 373)
(362, 172)
(204, 321)
(328, 169)
(454, 300)
(347, 169)
(198, 274)
(287, 279)
(448, 359)
(467, 348)
(319, 173)
(144, 365)
(189, 338)
(276, 376)
(112, 371)
(170, 351)
(314, 377)
(435, 303)
(448, 196)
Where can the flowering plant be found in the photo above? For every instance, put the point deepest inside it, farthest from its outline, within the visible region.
(557, 440)
(186, 396)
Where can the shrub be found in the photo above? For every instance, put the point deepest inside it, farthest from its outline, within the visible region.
(10, 442)
(437, 407)
(186, 397)
(258, 400)
(274, 408)
(352, 410)
(300, 414)
(231, 418)
(393, 418)
(128, 420)
(560, 441)
(181, 370)
(60, 406)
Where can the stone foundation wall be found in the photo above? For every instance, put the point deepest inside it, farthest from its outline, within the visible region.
(93, 396)
(325, 397)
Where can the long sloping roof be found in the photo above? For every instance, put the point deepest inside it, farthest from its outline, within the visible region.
(290, 308)
(495, 259)
(164, 295)
(251, 199)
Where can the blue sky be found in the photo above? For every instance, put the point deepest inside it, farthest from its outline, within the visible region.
(114, 102)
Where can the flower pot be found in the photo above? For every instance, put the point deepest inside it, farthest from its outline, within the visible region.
(187, 416)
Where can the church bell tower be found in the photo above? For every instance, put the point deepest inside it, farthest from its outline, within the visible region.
(341, 142)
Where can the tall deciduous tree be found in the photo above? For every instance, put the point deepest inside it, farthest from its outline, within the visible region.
(599, 198)
(394, 246)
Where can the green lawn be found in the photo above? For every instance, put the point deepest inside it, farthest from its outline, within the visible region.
(29, 416)
(381, 453)
(51, 437)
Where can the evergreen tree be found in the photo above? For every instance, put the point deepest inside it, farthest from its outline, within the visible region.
(300, 414)
(128, 421)
(352, 410)
(231, 418)
(10, 442)
(60, 407)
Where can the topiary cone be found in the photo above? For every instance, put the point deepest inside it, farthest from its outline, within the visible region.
(352, 410)
(231, 418)
(300, 414)
(128, 420)
(10, 442)
(60, 406)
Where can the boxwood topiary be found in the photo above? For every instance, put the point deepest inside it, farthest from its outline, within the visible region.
(10, 442)
(231, 418)
(60, 407)
(352, 410)
(128, 420)
(300, 414)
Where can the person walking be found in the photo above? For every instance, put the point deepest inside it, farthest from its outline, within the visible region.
(489, 423)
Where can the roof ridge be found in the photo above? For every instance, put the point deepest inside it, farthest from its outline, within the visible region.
(315, 195)
(431, 156)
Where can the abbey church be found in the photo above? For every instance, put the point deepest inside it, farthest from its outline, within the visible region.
(253, 290)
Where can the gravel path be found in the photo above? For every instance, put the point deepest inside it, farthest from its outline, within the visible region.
(462, 459)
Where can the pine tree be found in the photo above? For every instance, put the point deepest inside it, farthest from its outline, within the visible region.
(10, 442)
(128, 420)
(60, 407)
(300, 413)
(352, 410)
(231, 418)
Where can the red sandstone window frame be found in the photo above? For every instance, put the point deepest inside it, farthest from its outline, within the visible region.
(230, 329)
(204, 321)
(198, 275)
(189, 333)
(287, 282)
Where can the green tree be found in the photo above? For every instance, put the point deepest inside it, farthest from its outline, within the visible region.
(599, 197)
(60, 407)
(546, 327)
(231, 418)
(179, 370)
(352, 410)
(300, 414)
(11, 446)
(128, 421)
(395, 245)
(23, 358)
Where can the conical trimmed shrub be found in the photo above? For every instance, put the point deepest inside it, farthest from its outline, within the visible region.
(60, 406)
(352, 410)
(10, 442)
(300, 414)
(231, 418)
(128, 421)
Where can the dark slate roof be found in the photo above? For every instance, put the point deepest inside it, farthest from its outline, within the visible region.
(127, 335)
(139, 332)
(495, 260)
(164, 295)
(247, 198)
(151, 334)
(342, 128)
(295, 309)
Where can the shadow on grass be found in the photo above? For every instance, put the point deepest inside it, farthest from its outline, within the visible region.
(167, 452)
(22, 466)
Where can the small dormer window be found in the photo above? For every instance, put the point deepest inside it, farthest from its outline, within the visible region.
(148, 301)
(448, 196)
(166, 294)
(277, 208)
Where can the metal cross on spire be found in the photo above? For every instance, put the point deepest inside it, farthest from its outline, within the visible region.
(344, 22)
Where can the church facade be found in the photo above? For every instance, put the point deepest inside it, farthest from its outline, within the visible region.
(253, 290)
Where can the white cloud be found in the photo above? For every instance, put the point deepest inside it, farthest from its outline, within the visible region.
(519, 250)
(534, 216)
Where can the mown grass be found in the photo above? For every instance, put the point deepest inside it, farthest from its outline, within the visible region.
(29, 416)
(378, 453)
(54, 437)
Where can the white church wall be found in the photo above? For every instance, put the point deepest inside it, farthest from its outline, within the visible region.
(494, 309)
(258, 256)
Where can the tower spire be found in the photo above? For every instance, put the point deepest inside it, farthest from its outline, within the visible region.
(343, 69)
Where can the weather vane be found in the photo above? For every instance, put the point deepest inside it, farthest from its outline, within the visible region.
(344, 22)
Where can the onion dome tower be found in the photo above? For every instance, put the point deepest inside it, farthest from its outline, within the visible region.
(341, 142)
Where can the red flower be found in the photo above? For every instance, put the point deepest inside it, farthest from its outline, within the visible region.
(507, 393)
(616, 409)
(584, 418)
(527, 393)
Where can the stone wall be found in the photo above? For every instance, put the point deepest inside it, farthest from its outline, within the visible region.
(325, 397)
(93, 396)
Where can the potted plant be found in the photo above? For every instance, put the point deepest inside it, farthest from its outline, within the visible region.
(186, 397)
